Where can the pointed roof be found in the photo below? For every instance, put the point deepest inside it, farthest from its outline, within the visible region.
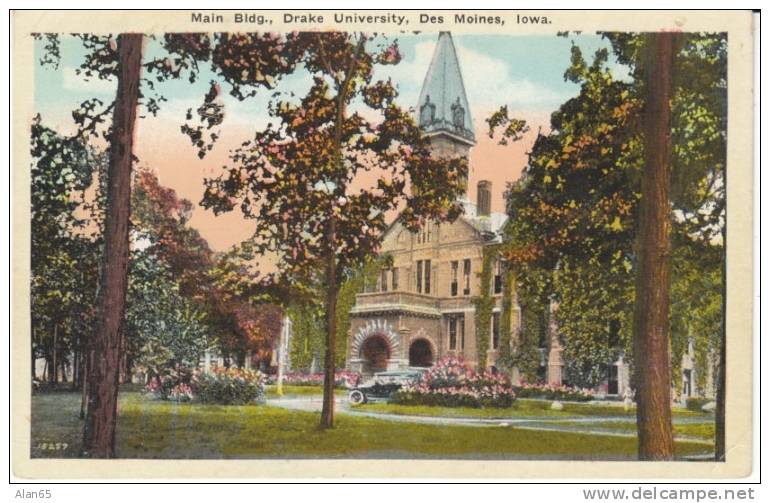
(443, 105)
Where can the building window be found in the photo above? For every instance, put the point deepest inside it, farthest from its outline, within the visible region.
(384, 280)
(419, 276)
(395, 279)
(455, 266)
(467, 276)
(427, 276)
(456, 332)
(498, 276)
(495, 331)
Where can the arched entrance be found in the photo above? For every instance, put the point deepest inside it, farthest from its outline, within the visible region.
(375, 351)
(420, 354)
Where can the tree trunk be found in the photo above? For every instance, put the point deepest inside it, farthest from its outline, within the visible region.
(75, 370)
(87, 358)
(653, 275)
(32, 355)
(719, 416)
(99, 429)
(327, 410)
(54, 362)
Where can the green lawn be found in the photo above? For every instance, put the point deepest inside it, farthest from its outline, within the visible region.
(704, 431)
(520, 408)
(155, 429)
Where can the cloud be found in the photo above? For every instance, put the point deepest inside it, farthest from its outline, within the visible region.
(489, 84)
(88, 85)
(489, 81)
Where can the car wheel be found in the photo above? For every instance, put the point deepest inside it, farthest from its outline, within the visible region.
(356, 397)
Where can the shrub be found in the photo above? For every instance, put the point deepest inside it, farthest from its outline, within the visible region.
(342, 379)
(696, 404)
(229, 386)
(550, 392)
(224, 386)
(452, 383)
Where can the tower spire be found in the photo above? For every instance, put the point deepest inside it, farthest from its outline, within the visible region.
(443, 108)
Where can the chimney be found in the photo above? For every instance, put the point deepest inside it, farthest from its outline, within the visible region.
(484, 198)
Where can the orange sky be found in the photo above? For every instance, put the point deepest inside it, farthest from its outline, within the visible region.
(161, 146)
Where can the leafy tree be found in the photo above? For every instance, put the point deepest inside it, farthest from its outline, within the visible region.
(120, 57)
(578, 204)
(64, 246)
(297, 178)
(164, 329)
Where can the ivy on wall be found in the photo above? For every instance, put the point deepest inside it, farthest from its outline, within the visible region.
(484, 304)
(307, 338)
(505, 356)
(346, 299)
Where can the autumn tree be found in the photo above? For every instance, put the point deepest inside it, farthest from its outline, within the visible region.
(300, 177)
(578, 209)
(119, 58)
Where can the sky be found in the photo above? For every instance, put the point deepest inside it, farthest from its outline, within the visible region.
(526, 73)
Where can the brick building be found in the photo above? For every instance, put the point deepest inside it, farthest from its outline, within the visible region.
(425, 306)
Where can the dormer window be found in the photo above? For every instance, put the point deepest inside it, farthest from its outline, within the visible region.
(458, 114)
(427, 112)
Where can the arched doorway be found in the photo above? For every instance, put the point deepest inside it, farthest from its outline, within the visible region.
(420, 354)
(376, 352)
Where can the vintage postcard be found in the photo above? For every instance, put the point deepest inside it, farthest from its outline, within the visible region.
(382, 244)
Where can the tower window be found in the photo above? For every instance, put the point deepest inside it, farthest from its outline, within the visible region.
(498, 276)
(458, 114)
(453, 286)
(427, 276)
(456, 331)
(419, 276)
(467, 276)
(495, 330)
(395, 279)
(384, 280)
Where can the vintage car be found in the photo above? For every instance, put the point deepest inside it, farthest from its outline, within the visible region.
(382, 385)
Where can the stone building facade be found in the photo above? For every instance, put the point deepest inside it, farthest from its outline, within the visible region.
(424, 307)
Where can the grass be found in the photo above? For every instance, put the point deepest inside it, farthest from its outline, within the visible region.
(155, 429)
(520, 408)
(704, 431)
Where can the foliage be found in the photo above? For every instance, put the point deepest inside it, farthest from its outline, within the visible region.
(505, 356)
(224, 386)
(550, 392)
(594, 319)
(696, 404)
(307, 338)
(351, 286)
(228, 386)
(65, 242)
(163, 328)
(453, 383)
(298, 171)
(573, 215)
(342, 379)
(484, 303)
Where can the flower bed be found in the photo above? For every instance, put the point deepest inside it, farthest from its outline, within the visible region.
(224, 386)
(549, 392)
(342, 379)
(452, 383)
